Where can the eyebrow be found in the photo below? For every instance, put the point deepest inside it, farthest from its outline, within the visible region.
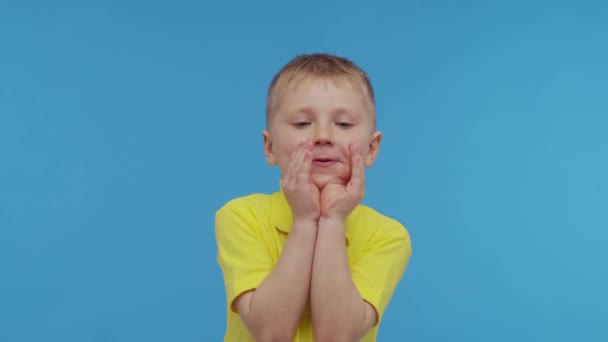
(310, 111)
(304, 110)
(343, 110)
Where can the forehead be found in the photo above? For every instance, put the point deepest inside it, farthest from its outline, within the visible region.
(317, 92)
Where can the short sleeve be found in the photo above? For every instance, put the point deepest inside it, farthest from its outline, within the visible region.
(242, 255)
(380, 267)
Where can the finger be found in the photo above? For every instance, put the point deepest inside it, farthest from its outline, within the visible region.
(304, 172)
(357, 170)
(361, 166)
(361, 177)
(296, 161)
(289, 172)
(304, 163)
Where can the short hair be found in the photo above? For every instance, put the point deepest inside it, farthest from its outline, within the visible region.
(319, 66)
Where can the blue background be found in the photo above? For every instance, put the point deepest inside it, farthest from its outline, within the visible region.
(124, 125)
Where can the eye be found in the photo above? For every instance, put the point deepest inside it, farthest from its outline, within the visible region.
(301, 124)
(344, 124)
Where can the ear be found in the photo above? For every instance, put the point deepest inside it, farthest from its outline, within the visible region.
(268, 152)
(373, 149)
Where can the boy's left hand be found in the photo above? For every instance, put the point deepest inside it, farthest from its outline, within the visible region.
(337, 199)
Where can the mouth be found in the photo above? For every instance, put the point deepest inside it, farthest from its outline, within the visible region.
(324, 162)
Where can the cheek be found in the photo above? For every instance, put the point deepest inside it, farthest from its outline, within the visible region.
(285, 146)
(289, 151)
(362, 144)
(291, 143)
(285, 154)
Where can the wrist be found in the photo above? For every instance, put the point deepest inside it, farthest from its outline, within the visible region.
(303, 231)
(308, 222)
(333, 221)
(332, 217)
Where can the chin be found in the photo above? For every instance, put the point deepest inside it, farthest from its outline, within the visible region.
(322, 180)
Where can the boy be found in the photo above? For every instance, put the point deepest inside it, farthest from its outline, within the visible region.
(309, 262)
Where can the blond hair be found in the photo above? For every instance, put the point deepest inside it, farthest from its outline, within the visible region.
(318, 66)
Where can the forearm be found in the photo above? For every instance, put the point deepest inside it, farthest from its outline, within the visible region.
(338, 311)
(277, 304)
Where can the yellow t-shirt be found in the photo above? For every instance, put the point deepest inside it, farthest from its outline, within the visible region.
(252, 230)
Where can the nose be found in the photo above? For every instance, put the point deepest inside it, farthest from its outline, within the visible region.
(323, 136)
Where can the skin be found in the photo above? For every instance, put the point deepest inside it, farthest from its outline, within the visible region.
(322, 136)
(332, 118)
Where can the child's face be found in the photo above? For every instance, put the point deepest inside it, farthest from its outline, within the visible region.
(331, 117)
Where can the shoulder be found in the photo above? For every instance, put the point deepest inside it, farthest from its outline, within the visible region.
(377, 225)
(255, 202)
(380, 222)
(245, 211)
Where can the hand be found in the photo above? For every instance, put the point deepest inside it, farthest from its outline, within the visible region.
(337, 199)
(301, 193)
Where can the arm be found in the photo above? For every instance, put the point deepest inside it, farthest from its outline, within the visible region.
(339, 313)
(273, 310)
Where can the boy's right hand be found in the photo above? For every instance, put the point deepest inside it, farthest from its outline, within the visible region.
(301, 193)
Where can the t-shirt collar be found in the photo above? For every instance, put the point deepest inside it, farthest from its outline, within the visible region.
(282, 218)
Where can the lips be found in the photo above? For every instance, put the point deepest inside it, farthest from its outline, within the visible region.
(324, 162)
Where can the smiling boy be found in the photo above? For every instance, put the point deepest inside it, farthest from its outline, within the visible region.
(310, 262)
